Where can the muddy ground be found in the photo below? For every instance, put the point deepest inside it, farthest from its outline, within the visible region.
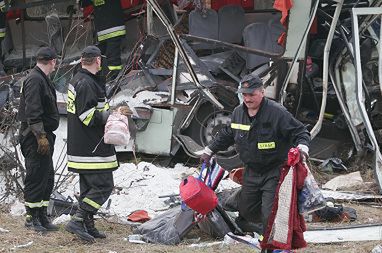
(62, 241)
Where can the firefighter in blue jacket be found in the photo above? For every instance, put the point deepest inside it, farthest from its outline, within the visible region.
(110, 27)
(263, 131)
(88, 155)
(39, 117)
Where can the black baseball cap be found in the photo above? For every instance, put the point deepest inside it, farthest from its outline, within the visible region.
(250, 83)
(91, 51)
(46, 53)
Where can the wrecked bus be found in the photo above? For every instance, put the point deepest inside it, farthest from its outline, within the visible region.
(320, 59)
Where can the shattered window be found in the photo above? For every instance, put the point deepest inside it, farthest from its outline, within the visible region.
(42, 10)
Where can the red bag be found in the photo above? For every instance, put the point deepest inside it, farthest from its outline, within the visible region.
(197, 195)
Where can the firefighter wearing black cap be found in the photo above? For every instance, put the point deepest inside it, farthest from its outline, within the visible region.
(263, 131)
(87, 154)
(39, 117)
(110, 27)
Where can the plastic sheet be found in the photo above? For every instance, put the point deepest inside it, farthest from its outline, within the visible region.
(310, 198)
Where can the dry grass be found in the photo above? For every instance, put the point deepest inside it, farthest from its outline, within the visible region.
(62, 241)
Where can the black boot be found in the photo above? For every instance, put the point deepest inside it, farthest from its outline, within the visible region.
(33, 220)
(77, 225)
(92, 230)
(45, 221)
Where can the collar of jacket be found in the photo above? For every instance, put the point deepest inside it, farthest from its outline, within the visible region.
(95, 77)
(38, 70)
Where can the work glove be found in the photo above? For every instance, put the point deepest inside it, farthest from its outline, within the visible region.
(304, 152)
(206, 156)
(43, 144)
(124, 110)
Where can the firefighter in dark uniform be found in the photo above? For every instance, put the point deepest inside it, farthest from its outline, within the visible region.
(110, 27)
(263, 131)
(39, 117)
(4, 5)
(88, 155)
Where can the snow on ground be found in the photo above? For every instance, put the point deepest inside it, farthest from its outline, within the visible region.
(136, 186)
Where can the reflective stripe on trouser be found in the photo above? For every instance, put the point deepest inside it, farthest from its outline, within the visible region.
(42, 203)
(39, 178)
(2, 33)
(111, 48)
(113, 32)
(95, 189)
(92, 162)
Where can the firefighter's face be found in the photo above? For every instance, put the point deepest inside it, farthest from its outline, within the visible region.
(253, 100)
(53, 65)
(99, 62)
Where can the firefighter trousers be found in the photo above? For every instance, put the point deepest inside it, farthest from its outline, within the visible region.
(111, 48)
(257, 195)
(95, 189)
(39, 178)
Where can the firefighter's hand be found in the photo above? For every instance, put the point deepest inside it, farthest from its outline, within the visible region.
(304, 152)
(125, 110)
(43, 145)
(206, 156)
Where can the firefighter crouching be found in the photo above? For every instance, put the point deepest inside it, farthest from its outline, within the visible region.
(39, 117)
(88, 155)
(263, 132)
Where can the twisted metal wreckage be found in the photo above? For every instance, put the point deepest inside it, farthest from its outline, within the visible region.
(327, 72)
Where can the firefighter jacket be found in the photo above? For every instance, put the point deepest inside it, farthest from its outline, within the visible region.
(38, 104)
(108, 18)
(87, 109)
(264, 142)
(3, 14)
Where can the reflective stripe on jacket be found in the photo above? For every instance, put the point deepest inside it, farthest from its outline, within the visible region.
(262, 143)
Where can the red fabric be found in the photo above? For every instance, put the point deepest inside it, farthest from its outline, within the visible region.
(246, 4)
(314, 27)
(13, 14)
(296, 224)
(87, 11)
(139, 216)
(236, 175)
(284, 6)
(126, 4)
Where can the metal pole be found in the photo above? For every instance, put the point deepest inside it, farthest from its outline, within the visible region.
(150, 20)
(174, 76)
(380, 56)
(377, 165)
(325, 75)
